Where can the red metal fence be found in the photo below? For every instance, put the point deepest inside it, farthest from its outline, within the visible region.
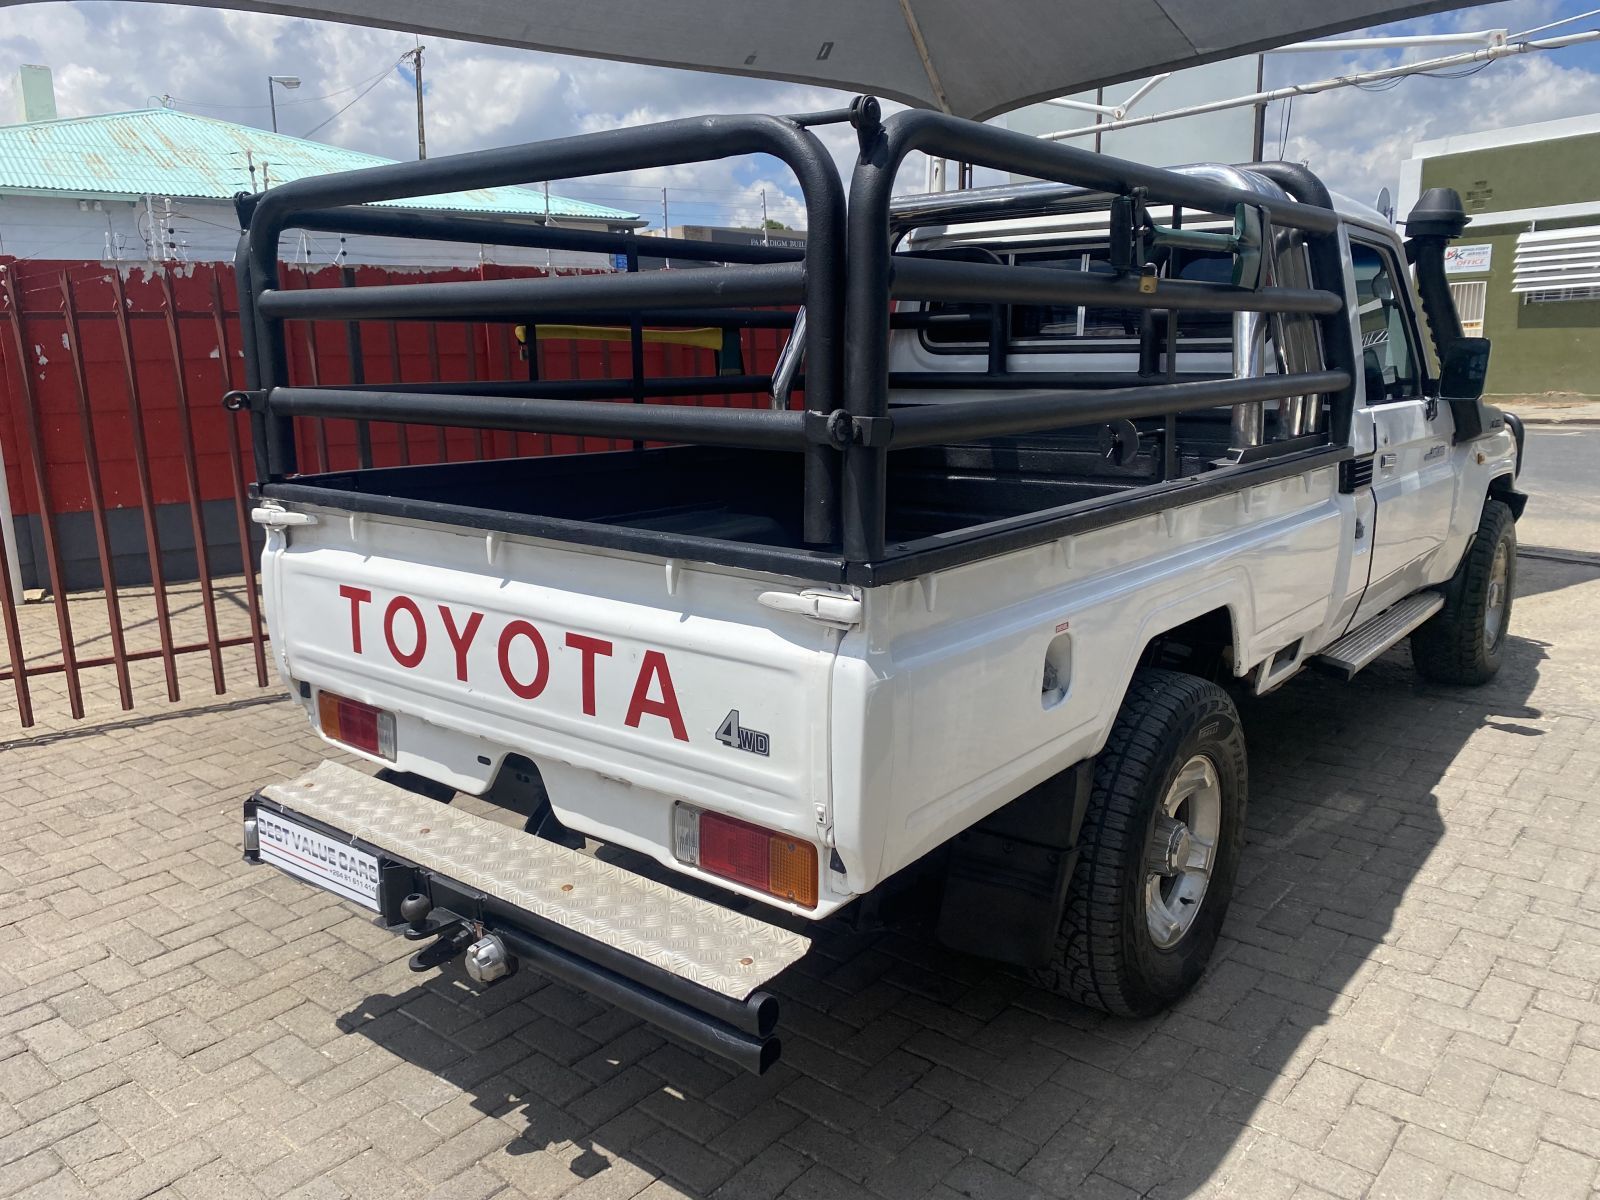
(110, 387)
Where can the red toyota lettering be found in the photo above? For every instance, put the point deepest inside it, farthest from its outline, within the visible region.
(654, 667)
(408, 606)
(357, 597)
(588, 647)
(460, 639)
(533, 687)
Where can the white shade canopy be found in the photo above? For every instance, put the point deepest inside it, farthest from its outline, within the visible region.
(973, 58)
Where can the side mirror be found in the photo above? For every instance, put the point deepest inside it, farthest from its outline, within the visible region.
(1463, 368)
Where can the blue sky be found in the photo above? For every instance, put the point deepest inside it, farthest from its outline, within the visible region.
(111, 56)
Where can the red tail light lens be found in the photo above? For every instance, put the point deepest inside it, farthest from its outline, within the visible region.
(759, 858)
(356, 724)
(734, 850)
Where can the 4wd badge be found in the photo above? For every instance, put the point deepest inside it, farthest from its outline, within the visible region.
(731, 733)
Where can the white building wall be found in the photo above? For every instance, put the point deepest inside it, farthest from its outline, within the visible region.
(207, 231)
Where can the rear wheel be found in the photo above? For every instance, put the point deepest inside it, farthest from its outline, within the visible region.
(1463, 642)
(1160, 846)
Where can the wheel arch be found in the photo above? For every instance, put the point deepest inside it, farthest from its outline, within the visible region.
(1205, 644)
(1213, 624)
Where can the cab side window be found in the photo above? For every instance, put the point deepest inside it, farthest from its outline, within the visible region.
(1389, 352)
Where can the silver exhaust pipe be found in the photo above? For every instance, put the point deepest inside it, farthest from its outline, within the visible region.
(1249, 362)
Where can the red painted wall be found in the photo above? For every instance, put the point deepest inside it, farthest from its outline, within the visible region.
(42, 344)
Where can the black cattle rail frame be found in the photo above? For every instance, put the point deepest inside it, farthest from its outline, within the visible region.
(846, 278)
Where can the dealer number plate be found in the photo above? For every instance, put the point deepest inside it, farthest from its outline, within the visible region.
(318, 858)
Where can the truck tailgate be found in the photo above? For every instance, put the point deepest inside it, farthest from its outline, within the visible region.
(629, 682)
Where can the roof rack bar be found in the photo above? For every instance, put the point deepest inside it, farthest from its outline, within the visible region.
(934, 279)
(679, 318)
(584, 389)
(393, 223)
(1023, 154)
(1026, 381)
(752, 428)
(517, 299)
(931, 424)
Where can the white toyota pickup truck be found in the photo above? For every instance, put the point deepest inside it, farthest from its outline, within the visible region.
(1046, 474)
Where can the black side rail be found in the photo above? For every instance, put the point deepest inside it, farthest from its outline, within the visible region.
(324, 202)
(847, 278)
(877, 274)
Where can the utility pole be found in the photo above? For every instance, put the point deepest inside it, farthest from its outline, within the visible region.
(666, 229)
(766, 238)
(416, 73)
(1258, 136)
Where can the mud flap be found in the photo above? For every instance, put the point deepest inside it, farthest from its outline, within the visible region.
(1006, 877)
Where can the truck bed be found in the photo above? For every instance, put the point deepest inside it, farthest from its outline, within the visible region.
(749, 496)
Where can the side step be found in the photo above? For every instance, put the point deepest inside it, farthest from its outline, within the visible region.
(1371, 638)
(430, 870)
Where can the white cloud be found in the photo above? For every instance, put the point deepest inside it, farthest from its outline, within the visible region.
(1356, 139)
(117, 56)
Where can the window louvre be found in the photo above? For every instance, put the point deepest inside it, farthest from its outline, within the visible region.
(1557, 264)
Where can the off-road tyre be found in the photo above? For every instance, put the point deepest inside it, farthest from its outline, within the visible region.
(1106, 956)
(1464, 641)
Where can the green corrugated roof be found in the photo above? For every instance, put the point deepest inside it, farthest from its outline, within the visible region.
(164, 152)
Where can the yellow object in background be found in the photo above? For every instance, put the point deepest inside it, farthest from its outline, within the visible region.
(704, 338)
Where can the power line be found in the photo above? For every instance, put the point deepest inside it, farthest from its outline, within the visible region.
(379, 79)
(282, 103)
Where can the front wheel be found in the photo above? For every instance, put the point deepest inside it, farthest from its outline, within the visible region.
(1160, 846)
(1463, 642)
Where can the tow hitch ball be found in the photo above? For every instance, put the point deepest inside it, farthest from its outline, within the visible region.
(487, 958)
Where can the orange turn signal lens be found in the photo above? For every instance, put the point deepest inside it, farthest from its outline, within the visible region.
(792, 871)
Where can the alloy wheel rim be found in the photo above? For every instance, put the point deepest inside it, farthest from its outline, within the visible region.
(1182, 851)
(1494, 609)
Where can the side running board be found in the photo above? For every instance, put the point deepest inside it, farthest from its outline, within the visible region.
(1372, 637)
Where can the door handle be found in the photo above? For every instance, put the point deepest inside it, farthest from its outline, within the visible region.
(1388, 460)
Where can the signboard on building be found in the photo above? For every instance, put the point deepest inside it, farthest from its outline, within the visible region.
(783, 239)
(777, 239)
(1467, 260)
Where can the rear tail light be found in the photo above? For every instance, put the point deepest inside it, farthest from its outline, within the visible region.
(356, 724)
(763, 859)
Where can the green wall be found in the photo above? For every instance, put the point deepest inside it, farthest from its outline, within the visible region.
(1537, 348)
(1530, 175)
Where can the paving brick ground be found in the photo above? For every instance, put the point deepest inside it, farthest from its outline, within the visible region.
(1405, 1004)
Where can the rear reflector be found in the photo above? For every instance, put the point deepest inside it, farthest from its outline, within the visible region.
(356, 724)
(759, 858)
